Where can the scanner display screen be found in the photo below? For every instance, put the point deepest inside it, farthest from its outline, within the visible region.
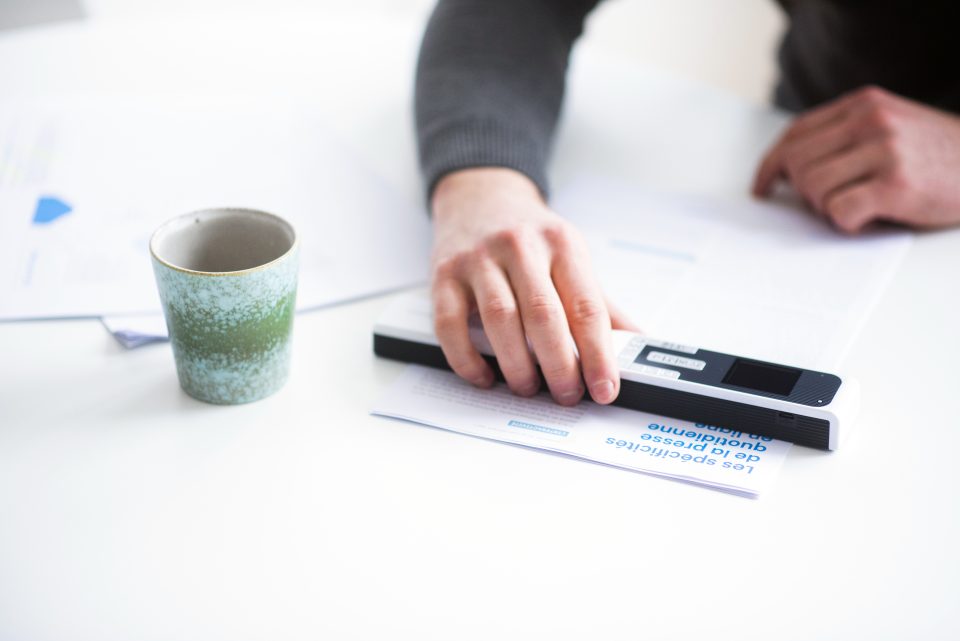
(762, 377)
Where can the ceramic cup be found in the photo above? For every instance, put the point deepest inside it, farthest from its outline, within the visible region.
(228, 284)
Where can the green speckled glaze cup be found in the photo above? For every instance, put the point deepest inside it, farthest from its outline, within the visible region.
(228, 285)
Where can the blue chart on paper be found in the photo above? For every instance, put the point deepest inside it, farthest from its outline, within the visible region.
(49, 208)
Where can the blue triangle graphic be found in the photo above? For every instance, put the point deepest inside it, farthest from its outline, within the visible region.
(49, 208)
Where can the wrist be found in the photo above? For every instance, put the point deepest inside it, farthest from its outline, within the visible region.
(476, 184)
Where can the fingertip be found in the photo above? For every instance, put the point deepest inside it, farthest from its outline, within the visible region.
(851, 229)
(569, 399)
(488, 377)
(484, 381)
(767, 171)
(761, 184)
(528, 390)
(604, 391)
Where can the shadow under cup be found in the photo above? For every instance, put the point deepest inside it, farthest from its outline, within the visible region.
(228, 281)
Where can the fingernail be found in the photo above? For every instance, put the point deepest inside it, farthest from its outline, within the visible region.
(529, 390)
(570, 398)
(602, 392)
(483, 381)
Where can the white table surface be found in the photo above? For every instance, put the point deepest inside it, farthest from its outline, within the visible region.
(130, 511)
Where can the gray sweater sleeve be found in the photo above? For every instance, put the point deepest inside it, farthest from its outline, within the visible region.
(490, 82)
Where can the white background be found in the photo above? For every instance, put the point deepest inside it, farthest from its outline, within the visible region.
(728, 44)
(129, 511)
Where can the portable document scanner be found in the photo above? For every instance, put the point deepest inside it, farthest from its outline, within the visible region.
(788, 403)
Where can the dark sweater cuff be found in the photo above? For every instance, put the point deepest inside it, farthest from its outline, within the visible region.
(481, 144)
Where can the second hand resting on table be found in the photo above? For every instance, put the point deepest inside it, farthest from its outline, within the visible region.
(871, 156)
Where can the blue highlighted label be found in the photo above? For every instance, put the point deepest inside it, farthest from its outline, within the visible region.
(49, 208)
(538, 428)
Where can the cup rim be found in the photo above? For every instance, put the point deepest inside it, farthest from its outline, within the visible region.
(241, 272)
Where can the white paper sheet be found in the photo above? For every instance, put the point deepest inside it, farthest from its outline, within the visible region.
(765, 280)
(84, 183)
(136, 330)
(722, 459)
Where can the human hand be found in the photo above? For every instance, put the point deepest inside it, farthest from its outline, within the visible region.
(500, 250)
(871, 155)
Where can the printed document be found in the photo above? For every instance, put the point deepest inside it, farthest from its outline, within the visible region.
(84, 182)
(766, 280)
(707, 455)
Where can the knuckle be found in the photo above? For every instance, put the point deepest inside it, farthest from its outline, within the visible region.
(880, 118)
(586, 311)
(560, 235)
(465, 261)
(512, 240)
(871, 94)
(446, 268)
(542, 310)
(498, 309)
(474, 256)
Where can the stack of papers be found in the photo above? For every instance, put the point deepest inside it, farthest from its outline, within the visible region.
(711, 456)
(84, 182)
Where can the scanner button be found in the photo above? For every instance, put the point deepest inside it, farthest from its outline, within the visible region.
(678, 361)
(673, 347)
(659, 371)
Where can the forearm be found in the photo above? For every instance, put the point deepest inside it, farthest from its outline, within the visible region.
(490, 82)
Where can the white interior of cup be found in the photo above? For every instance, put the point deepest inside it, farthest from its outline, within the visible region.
(222, 240)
